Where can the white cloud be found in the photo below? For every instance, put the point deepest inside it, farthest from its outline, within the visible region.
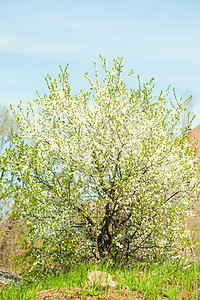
(4, 44)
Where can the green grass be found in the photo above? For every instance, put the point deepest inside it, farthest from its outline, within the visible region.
(153, 281)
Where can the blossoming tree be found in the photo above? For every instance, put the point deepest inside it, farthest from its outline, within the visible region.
(102, 174)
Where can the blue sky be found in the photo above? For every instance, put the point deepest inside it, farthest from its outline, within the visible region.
(159, 39)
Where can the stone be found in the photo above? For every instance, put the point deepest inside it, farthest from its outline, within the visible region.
(104, 279)
(6, 278)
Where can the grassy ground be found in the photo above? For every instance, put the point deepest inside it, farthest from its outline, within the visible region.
(160, 281)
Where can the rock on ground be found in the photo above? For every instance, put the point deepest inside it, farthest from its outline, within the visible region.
(104, 279)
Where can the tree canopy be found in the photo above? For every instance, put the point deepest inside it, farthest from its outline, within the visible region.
(105, 174)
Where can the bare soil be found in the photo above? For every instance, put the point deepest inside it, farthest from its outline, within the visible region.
(79, 294)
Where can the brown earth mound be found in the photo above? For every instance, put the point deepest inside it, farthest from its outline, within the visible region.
(80, 294)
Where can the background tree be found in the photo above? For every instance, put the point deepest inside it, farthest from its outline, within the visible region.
(104, 174)
(8, 125)
(8, 226)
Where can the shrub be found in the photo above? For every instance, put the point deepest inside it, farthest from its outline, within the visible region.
(105, 174)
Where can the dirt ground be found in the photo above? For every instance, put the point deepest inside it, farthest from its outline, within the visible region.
(79, 294)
